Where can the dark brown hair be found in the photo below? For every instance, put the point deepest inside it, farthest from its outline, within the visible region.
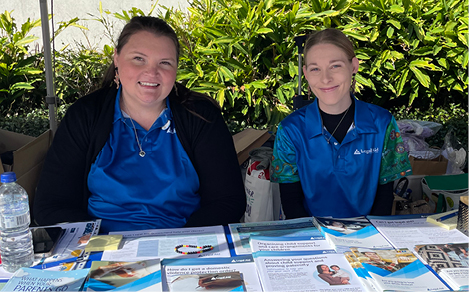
(137, 24)
(330, 36)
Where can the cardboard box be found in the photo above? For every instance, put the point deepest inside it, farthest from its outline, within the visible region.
(435, 166)
(28, 157)
(247, 140)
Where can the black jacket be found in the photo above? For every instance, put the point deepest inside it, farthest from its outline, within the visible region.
(62, 193)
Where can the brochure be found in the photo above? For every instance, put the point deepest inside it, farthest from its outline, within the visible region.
(306, 271)
(358, 232)
(124, 276)
(407, 231)
(397, 269)
(240, 232)
(266, 243)
(161, 243)
(187, 274)
(449, 261)
(28, 279)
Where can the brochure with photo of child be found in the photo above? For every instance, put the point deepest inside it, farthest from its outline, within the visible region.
(313, 271)
(357, 232)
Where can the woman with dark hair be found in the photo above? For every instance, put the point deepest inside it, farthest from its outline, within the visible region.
(337, 156)
(143, 151)
(327, 275)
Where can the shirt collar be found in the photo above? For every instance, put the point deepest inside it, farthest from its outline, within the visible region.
(364, 124)
(161, 121)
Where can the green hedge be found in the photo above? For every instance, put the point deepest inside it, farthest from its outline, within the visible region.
(413, 57)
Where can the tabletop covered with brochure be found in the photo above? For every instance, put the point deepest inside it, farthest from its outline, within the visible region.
(391, 253)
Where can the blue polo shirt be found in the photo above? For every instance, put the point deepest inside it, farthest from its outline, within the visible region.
(339, 179)
(129, 192)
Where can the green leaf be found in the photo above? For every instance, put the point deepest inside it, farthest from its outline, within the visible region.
(221, 97)
(22, 85)
(402, 82)
(443, 63)
(226, 73)
(199, 70)
(257, 84)
(395, 23)
(390, 32)
(396, 9)
(264, 30)
(292, 69)
(422, 77)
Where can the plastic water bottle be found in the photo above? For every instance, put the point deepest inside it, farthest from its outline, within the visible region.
(16, 244)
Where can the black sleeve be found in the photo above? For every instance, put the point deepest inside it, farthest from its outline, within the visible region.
(60, 192)
(222, 196)
(292, 197)
(382, 206)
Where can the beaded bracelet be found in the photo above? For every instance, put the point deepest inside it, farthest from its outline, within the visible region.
(201, 249)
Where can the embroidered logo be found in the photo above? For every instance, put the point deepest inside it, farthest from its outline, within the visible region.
(366, 151)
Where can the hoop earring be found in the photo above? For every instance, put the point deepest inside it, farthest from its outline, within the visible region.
(175, 89)
(353, 83)
(116, 78)
(309, 93)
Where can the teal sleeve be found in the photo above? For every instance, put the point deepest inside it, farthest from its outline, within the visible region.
(284, 168)
(395, 160)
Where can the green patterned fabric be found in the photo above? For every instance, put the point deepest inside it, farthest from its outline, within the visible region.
(394, 162)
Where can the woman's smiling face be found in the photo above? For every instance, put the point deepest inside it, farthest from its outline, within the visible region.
(329, 74)
(147, 66)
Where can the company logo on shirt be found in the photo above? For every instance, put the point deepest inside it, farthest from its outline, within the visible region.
(366, 151)
(167, 127)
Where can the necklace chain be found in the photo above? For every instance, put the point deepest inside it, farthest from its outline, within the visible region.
(336, 127)
(141, 153)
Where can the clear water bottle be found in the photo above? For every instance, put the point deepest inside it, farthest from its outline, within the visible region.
(16, 244)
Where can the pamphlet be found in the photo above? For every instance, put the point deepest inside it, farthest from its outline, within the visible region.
(160, 243)
(407, 231)
(449, 261)
(306, 271)
(186, 274)
(124, 276)
(266, 243)
(28, 279)
(358, 232)
(397, 269)
(240, 232)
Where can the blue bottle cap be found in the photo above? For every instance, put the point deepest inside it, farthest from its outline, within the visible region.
(8, 177)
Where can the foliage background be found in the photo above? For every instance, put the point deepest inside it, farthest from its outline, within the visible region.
(242, 53)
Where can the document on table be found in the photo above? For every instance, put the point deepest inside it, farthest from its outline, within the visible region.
(72, 243)
(406, 231)
(240, 232)
(161, 243)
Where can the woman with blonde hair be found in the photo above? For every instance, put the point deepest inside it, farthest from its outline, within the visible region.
(339, 155)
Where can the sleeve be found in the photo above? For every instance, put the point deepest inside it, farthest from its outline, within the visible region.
(284, 165)
(395, 160)
(223, 199)
(60, 193)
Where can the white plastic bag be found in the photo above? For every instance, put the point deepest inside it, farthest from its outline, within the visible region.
(259, 196)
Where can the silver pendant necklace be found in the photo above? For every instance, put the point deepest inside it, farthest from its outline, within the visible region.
(141, 153)
(336, 127)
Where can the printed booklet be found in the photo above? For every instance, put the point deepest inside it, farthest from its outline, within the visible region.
(449, 261)
(240, 232)
(395, 269)
(30, 279)
(124, 276)
(300, 243)
(357, 232)
(214, 274)
(311, 271)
